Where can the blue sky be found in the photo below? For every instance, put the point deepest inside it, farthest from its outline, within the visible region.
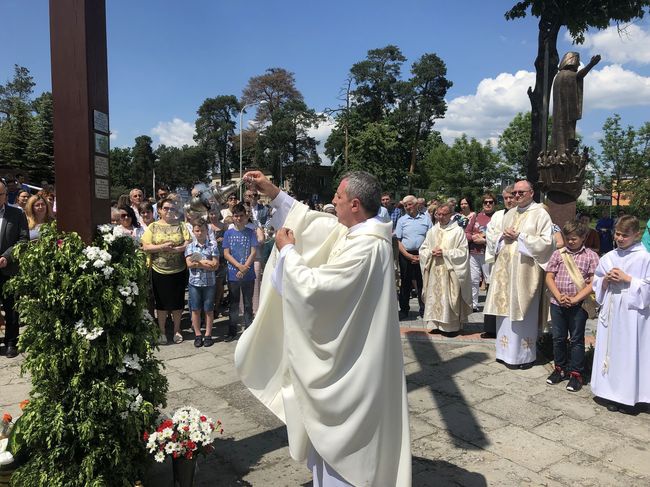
(166, 57)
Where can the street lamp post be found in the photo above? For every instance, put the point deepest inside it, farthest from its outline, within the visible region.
(241, 140)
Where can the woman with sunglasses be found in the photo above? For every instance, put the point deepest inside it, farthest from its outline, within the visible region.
(128, 225)
(165, 241)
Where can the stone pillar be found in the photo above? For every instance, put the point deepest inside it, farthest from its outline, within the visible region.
(81, 131)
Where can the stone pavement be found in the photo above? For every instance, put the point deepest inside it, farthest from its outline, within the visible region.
(473, 422)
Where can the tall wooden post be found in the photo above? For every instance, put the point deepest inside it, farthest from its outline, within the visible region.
(81, 131)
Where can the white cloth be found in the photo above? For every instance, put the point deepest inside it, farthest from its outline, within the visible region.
(621, 369)
(516, 341)
(326, 356)
(324, 475)
(492, 235)
(478, 268)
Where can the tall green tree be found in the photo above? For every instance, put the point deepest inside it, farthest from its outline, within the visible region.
(215, 129)
(271, 90)
(40, 146)
(143, 161)
(19, 89)
(182, 167)
(466, 168)
(423, 101)
(14, 135)
(120, 171)
(376, 149)
(377, 82)
(620, 157)
(577, 16)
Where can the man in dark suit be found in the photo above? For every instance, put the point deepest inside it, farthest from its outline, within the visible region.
(13, 229)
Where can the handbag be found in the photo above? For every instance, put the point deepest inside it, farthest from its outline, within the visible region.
(589, 303)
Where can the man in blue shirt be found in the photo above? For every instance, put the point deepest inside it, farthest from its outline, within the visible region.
(410, 232)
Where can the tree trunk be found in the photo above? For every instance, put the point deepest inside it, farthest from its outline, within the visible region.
(548, 32)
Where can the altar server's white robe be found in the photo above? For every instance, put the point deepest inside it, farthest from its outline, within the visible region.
(326, 356)
(621, 369)
(517, 283)
(446, 280)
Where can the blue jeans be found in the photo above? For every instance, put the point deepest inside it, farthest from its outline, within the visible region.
(569, 321)
(201, 298)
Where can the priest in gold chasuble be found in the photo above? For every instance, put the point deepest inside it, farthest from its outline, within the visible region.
(447, 287)
(524, 248)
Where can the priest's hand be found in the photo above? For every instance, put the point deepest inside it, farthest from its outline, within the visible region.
(283, 237)
(510, 235)
(257, 180)
(437, 252)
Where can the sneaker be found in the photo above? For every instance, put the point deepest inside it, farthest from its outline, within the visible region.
(178, 338)
(575, 382)
(207, 342)
(556, 377)
(198, 341)
(162, 340)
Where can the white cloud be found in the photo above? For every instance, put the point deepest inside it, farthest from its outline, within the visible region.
(321, 133)
(487, 112)
(114, 135)
(615, 87)
(176, 133)
(632, 44)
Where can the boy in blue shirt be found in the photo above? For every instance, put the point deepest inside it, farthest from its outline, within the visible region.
(239, 247)
(202, 259)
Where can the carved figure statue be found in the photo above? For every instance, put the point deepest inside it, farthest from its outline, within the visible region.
(567, 101)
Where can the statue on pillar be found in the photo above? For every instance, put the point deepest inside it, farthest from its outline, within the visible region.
(562, 168)
(567, 101)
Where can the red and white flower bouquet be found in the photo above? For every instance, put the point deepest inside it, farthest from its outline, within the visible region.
(185, 435)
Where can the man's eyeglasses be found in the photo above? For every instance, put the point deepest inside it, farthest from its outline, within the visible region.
(253, 195)
(520, 193)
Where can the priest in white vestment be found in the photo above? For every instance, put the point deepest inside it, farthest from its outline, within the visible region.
(621, 368)
(446, 279)
(524, 247)
(324, 352)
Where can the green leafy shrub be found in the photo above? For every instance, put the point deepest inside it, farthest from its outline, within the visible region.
(89, 343)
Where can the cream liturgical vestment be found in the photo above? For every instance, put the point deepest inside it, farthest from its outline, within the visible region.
(621, 370)
(516, 283)
(324, 352)
(492, 236)
(446, 282)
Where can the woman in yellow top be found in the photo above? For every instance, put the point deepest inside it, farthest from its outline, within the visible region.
(165, 241)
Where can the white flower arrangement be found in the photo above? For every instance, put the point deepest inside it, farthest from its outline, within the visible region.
(129, 291)
(186, 434)
(89, 335)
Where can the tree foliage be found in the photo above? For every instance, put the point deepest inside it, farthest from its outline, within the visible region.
(381, 102)
(271, 90)
(182, 167)
(143, 160)
(26, 127)
(466, 168)
(215, 129)
(624, 163)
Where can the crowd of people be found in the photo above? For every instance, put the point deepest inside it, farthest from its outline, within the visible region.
(445, 252)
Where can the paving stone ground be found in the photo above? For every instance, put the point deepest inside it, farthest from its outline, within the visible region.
(473, 422)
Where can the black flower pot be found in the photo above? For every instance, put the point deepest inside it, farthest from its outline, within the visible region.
(184, 471)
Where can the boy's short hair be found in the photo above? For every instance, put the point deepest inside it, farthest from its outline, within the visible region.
(575, 226)
(628, 224)
(238, 208)
(200, 222)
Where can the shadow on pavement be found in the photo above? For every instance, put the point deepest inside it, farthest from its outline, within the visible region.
(440, 473)
(426, 354)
